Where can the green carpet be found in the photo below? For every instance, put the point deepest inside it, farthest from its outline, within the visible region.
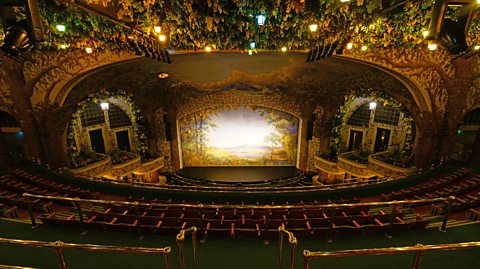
(236, 253)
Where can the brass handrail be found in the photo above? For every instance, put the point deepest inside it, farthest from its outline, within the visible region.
(180, 238)
(4, 266)
(303, 206)
(58, 246)
(292, 240)
(419, 250)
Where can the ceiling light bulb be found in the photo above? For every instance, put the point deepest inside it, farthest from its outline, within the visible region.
(88, 50)
(162, 38)
(104, 106)
(432, 46)
(343, 1)
(157, 29)
(208, 49)
(372, 105)
(349, 45)
(313, 27)
(477, 47)
(425, 33)
(364, 48)
(63, 46)
(61, 27)
(284, 49)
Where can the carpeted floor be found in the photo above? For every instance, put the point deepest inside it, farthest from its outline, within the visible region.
(234, 253)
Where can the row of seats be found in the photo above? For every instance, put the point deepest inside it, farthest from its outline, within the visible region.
(54, 186)
(17, 200)
(231, 229)
(427, 187)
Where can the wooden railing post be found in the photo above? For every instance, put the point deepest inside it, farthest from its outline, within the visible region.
(267, 217)
(139, 224)
(57, 246)
(30, 211)
(330, 226)
(418, 256)
(80, 216)
(306, 256)
(392, 219)
(451, 199)
(280, 243)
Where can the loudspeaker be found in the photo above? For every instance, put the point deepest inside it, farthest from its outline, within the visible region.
(168, 130)
(310, 123)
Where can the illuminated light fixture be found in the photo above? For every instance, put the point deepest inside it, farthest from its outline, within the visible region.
(63, 46)
(432, 46)
(261, 19)
(425, 33)
(313, 27)
(477, 47)
(364, 48)
(61, 27)
(88, 50)
(157, 29)
(162, 38)
(372, 105)
(349, 45)
(250, 52)
(17, 39)
(284, 49)
(104, 106)
(343, 1)
(208, 48)
(252, 45)
(163, 75)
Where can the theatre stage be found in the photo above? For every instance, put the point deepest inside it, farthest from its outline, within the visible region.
(239, 174)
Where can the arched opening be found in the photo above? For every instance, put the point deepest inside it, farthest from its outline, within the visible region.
(101, 127)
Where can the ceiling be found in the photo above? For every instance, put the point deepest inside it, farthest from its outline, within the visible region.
(232, 25)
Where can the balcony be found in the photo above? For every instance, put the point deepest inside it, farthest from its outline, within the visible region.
(150, 166)
(326, 165)
(382, 164)
(355, 163)
(92, 169)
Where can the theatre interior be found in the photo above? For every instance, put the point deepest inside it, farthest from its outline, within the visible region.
(240, 134)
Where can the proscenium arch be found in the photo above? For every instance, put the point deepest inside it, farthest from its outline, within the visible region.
(301, 126)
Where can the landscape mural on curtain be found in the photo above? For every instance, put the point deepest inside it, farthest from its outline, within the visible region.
(239, 136)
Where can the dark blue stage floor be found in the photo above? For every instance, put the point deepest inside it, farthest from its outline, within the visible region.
(239, 174)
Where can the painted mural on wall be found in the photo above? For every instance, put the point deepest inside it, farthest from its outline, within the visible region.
(239, 136)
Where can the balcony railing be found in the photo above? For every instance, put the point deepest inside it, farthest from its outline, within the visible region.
(326, 165)
(347, 163)
(59, 246)
(420, 251)
(382, 168)
(93, 169)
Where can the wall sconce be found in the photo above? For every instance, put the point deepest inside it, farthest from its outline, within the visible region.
(373, 105)
(104, 106)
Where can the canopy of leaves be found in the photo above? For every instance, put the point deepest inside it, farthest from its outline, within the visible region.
(231, 24)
